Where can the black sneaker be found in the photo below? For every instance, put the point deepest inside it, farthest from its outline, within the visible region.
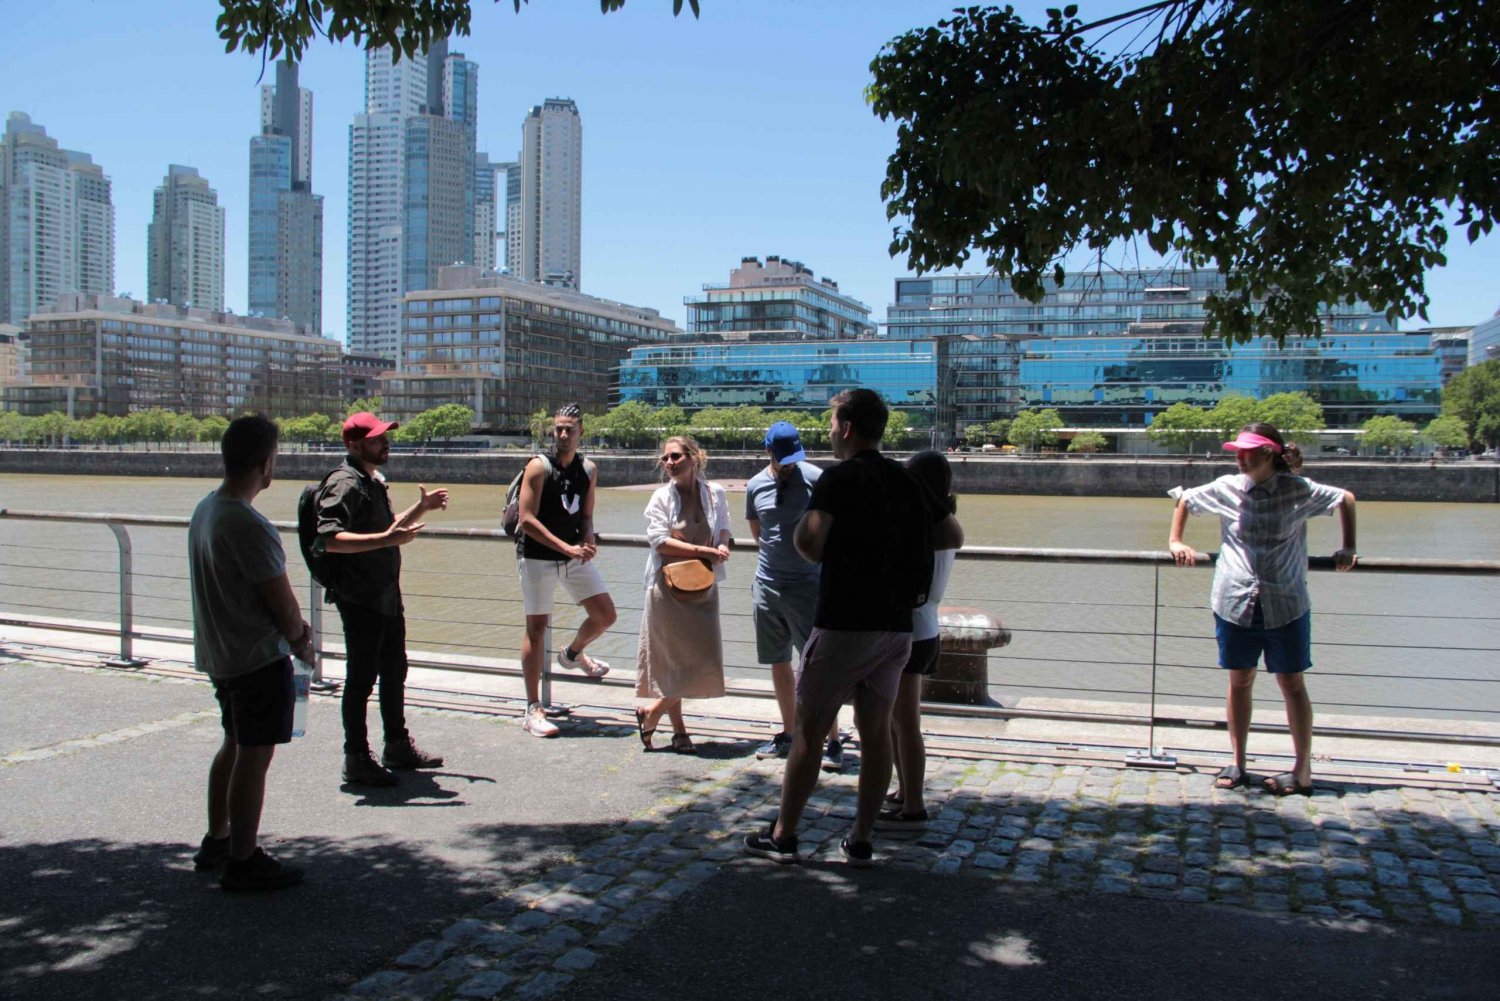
(766, 846)
(212, 853)
(833, 756)
(364, 770)
(895, 818)
(407, 754)
(258, 872)
(859, 854)
(776, 747)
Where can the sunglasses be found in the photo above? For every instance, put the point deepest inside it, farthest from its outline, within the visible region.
(671, 457)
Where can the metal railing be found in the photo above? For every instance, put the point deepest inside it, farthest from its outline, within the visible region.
(1105, 647)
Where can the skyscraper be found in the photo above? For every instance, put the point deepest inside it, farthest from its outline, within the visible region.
(509, 175)
(185, 242)
(57, 222)
(552, 194)
(486, 219)
(411, 186)
(286, 218)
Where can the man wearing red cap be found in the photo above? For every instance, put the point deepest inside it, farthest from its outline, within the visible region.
(356, 524)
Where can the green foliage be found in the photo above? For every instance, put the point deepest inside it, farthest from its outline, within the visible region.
(1295, 415)
(1035, 428)
(53, 427)
(312, 428)
(1447, 432)
(277, 27)
(1306, 149)
(1180, 427)
(13, 427)
(1232, 413)
(211, 429)
(149, 425)
(977, 434)
(451, 420)
(1088, 441)
(1473, 396)
(1388, 433)
(632, 425)
(999, 429)
(367, 404)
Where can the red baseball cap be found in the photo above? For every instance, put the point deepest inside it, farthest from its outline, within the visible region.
(366, 425)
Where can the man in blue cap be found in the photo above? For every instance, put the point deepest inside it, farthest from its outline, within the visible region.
(784, 594)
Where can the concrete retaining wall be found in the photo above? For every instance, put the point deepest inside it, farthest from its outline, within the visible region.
(1462, 482)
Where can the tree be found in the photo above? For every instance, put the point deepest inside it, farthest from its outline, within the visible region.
(12, 426)
(1088, 441)
(632, 423)
(999, 429)
(1447, 432)
(1232, 413)
(1295, 415)
(976, 434)
(712, 425)
(1179, 426)
(1306, 149)
(1387, 432)
(367, 404)
(148, 425)
(1473, 396)
(183, 428)
(1034, 428)
(274, 27)
(53, 427)
(450, 421)
(211, 429)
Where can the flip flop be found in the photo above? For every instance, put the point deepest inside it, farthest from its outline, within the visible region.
(1285, 784)
(1232, 777)
(640, 728)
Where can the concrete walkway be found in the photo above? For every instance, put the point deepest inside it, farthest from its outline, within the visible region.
(580, 867)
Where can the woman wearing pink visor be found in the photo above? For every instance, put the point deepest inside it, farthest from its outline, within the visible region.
(1260, 600)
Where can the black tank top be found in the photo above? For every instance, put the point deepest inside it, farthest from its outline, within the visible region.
(561, 509)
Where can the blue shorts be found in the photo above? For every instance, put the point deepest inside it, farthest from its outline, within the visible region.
(1288, 648)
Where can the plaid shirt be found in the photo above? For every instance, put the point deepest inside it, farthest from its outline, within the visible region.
(1263, 551)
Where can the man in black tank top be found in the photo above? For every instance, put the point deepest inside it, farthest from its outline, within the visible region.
(555, 545)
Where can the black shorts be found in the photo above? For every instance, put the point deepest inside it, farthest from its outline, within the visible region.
(256, 708)
(924, 656)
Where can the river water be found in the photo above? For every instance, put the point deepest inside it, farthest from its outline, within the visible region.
(1385, 644)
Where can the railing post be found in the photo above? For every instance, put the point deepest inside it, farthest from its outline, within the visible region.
(315, 625)
(127, 656)
(1149, 758)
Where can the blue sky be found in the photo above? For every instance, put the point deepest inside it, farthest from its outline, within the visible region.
(744, 132)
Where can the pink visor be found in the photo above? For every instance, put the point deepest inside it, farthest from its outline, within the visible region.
(1248, 440)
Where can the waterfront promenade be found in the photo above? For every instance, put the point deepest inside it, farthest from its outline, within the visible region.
(582, 868)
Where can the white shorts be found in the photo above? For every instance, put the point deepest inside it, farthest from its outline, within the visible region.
(539, 580)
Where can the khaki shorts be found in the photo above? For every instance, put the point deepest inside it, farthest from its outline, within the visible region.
(836, 661)
(539, 580)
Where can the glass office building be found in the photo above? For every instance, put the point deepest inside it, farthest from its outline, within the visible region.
(1114, 350)
(783, 375)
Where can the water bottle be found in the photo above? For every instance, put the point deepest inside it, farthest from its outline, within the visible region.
(302, 675)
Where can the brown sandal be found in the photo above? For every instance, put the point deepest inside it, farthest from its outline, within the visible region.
(683, 744)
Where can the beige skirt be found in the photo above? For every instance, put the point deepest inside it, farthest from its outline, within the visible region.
(681, 651)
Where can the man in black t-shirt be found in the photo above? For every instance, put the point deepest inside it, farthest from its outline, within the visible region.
(358, 527)
(555, 545)
(861, 512)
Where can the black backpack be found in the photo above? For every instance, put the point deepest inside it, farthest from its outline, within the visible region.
(319, 565)
(510, 515)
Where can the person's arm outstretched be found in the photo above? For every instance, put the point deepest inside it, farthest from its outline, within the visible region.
(1345, 558)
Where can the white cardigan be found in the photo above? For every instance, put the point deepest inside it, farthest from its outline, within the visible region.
(665, 507)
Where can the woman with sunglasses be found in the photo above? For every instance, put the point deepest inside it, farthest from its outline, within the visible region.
(1260, 600)
(681, 651)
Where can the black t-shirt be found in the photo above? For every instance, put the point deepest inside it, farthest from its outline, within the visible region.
(560, 510)
(871, 499)
(350, 501)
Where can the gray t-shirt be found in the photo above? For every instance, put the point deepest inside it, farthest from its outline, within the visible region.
(778, 505)
(232, 548)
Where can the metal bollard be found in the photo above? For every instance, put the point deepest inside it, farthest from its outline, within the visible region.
(963, 675)
(127, 656)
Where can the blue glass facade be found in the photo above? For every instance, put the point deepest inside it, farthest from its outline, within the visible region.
(792, 375)
(270, 175)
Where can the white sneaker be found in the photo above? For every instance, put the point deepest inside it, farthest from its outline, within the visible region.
(592, 667)
(537, 724)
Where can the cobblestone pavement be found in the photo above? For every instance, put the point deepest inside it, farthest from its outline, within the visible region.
(1390, 853)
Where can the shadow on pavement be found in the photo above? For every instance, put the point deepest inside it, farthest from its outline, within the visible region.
(92, 918)
(825, 931)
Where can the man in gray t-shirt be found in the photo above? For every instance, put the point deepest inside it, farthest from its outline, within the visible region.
(246, 622)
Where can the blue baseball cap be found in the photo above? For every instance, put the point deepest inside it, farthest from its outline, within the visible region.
(784, 444)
